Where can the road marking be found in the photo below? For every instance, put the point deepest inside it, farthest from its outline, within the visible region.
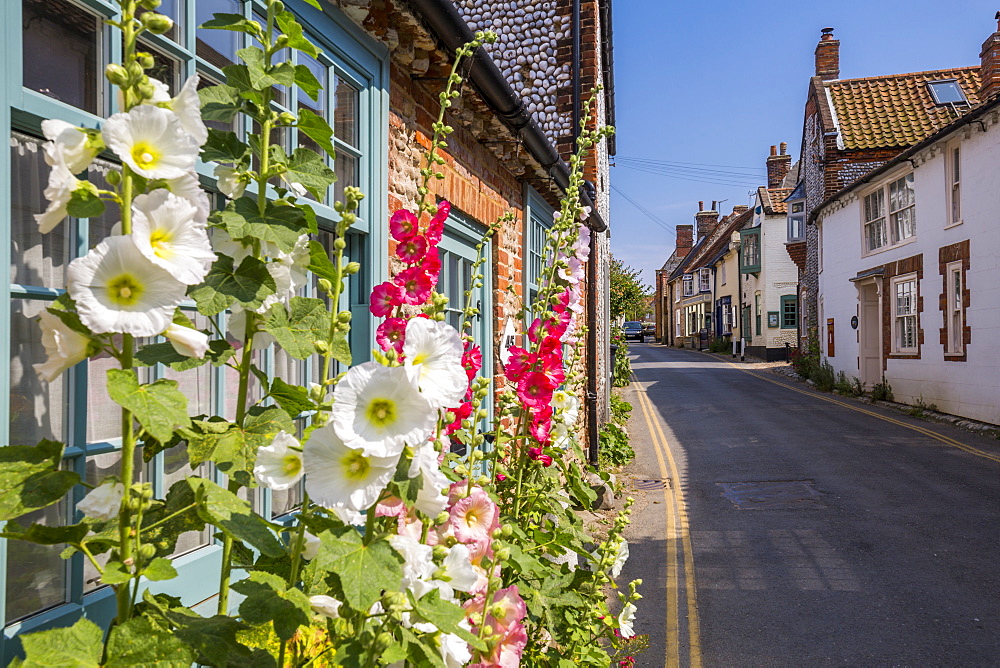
(676, 513)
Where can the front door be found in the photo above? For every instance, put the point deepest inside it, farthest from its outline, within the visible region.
(869, 334)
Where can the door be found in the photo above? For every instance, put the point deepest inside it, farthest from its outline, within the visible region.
(869, 334)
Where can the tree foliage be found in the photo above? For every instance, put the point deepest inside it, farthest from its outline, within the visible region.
(629, 297)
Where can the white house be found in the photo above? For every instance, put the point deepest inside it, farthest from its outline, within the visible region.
(909, 269)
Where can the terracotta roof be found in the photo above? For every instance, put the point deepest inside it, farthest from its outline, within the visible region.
(895, 110)
(773, 199)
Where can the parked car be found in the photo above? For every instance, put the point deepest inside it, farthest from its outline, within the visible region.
(649, 329)
(633, 330)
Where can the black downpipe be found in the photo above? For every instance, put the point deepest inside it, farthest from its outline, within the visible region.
(608, 33)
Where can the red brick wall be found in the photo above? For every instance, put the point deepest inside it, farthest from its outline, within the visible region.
(909, 265)
(947, 255)
(797, 251)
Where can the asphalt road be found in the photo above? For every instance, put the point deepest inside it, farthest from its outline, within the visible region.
(851, 535)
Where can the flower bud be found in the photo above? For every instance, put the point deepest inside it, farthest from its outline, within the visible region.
(157, 23)
(116, 74)
(145, 59)
(145, 89)
(325, 285)
(352, 268)
(339, 243)
(281, 42)
(285, 117)
(147, 552)
(149, 4)
(321, 346)
(278, 6)
(113, 177)
(503, 554)
(344, 317)
(382, 642)
(507, 530)
(442, 517)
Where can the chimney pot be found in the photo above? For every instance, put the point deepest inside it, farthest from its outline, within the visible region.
(778, 166)
(774, 150)
(828, 56)
(989, 71)
(701, 206)
(784, 147)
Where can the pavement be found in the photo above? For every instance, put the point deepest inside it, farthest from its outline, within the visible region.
(775, 525)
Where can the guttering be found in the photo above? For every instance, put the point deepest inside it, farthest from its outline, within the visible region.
(445, 21)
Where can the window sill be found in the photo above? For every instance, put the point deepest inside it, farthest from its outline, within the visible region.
(883, 249)
(961, 354)
(955, 224)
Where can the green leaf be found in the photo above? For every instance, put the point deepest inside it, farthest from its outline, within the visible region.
(234, 516)
(219, 103)
(235, 22)
(115, 573)
(290, 27)
(84, 202)
(77, 646)
(138, 642)
(307, 82)
(160, 569)
(317, 129)
(238, 76)
(406, 488)
(263, 76)
(249, 284)
(314, 3)
(47, 535)
(341, 349)
(363, 571)
(223, 146)
(300, 326)
(320, 262)
(213, 638)
(232, 448)
(219, 350)
(280, 225)
(308, 168)
(179, 498)
(269, 599)
(158, 406)
(30, 478)
(293, 399)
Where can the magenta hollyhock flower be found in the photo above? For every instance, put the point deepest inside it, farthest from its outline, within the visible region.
(391, 334)
(535, 389)
(431, 263)
(403, 225)
(472, 360)
(520, 363)
(436, 227)
(385, 298)
(563, 303)
(412, 250)
(461, 413)
(474, 518)
(415, 284)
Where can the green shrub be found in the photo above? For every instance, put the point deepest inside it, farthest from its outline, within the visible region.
(622, 373)
(843, 386)
(882, 391)
(824, 377)
(614, 447)
(806, 361)
(859, 387)
(620, 410)
(720, 345)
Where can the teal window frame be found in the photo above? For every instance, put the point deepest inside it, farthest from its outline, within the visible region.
(354, 56)
(745, 237)
(789, 311)
(537, 223)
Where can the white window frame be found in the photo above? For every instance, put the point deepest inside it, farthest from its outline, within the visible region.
(704, 280)
(796, 221)
(953, 183)
(722, 273)
(688, 283)
(819, 247)
(888, 214)
(954, 301)
(905, 297)
(678, 323)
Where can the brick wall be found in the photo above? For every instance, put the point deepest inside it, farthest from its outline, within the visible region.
(947, 255)
(909, 265)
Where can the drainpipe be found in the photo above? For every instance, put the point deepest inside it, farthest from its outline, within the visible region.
(593, 426)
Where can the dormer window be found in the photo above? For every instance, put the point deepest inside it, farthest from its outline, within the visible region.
(947, 92)
(796, 220)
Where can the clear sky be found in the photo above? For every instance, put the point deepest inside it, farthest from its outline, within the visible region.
(713, 85)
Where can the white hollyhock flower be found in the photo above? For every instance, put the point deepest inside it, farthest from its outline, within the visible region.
(62, 183)
(378, 410)
(457, 573)
(418, 559)
(103, 502)
(187, 341)
(349, 516)
(455, 651)
(187, 106)
(625, 620)
(327, 606)
(338, 475)
(230, 182)
(433, 353)
(620, 558)
(224, 244)
(430, 500)
(151, 141)
(188, 187)
(64, 347)
(68, 145)
(164, 230)
(117, 289)
(236, 323)
(311, 546)
(279, 465)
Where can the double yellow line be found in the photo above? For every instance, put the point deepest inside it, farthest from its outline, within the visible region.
(678, 530)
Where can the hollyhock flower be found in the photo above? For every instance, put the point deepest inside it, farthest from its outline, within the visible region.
(349, 516)
(342, 476)
(117, 289)
(59, 191)
(187, 341)
(187, 106)
(560, 435)
(535, 389)
(462, 412)
(573, 271)
(68, 145)
(474, 517)
(430, 499)
(310, 547)
(385, 298)
(581, 248)
(164, 230)
(472, 360)
(188, 187)
(327, 606)
(412, 249)
(431, 263)
(418, 559)
(508, 650)
(565, 401)
(455, 651)
(519, 363)
(103, 502)
(415, 284)
(456, 574)
(151, 142)
(279, 465)
(391, 334)
(231, 182)
(620, 558)
(435, 229)
(626, 619)
(507, 610)
(236, 324)
(403, 225)
(64, 347)
(541, 430)
(379, 410)
(433, 354)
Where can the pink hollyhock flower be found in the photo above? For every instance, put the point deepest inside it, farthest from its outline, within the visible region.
(391, 334)
(474, 518)
(546, 460)
(385, 297)
(507, 653)
(508, 609)
(461, 413)
(431, 263)
(541, 430)
(412, 250)
(563, 303)
(501, 477)
(415, 285)
(436, 227)
(582, 246)
(535, 389)
(403, 225)
(519, 364)
(472, 360)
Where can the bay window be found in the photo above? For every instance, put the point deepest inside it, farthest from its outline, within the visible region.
(889, 214)
(904, 321)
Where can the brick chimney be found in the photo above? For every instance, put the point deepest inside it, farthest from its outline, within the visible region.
(989, 73)
(684, 239)
(778, 166)
(828, 56)
(740, 209)
(706, 221)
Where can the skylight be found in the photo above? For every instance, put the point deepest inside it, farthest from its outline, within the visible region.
(947, 92)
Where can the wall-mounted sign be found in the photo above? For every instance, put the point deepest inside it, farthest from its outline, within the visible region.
(507, 339)
(854, 322)
(772, 319)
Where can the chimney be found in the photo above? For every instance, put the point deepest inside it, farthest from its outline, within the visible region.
(828, 56)
(706, 221)
(778, 166)
(740, 208)
(989, 73)
(684, 240)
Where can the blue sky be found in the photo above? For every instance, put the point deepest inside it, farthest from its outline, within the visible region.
(715, 84)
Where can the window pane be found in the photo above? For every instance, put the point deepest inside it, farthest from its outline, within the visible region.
(37, 408)
(36, 259)
(176, 468)
(218, 47)
(170, 8)
(60, 52)
(346, 167)
(285, 501)
(320, 71)
(104, 416)
(165, 68)
(100, 227)
(36, 574)
(345, 127)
